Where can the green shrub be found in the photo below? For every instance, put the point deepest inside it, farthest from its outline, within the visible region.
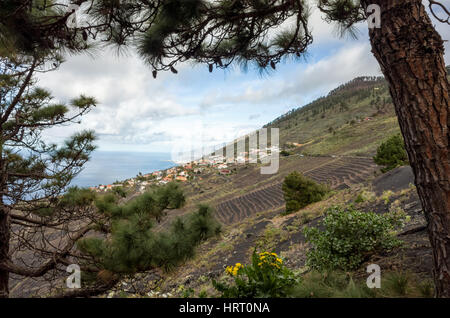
(426, 289)
(386, 196)
(391, 153)
(364, 196)
(285, 153)
(299, 191)
(349, 238)
(133, 246)
(152, 204)
(397, 283)
(265, 277)
(76, 196)
(203, 294)
(120, 191)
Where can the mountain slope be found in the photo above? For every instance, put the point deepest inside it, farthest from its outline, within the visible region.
(336, 135)
(350, 120)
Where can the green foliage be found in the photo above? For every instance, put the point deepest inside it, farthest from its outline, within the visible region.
(299, 191)
(349, 237)
(359, 198)
(398, 283)
(172, 15)
(364, 196)
(266, 276)
(330, 284)
(133, 245)
(203, 294)
(285, 153)
(120, 191)
(48, 113)
(170, 196)
(76, 196)
(44, 211)
(151, 204)
(83, 102)
(345, 12)
(386, 196)
(341, 285)
(107, 204)
(188, 293)
(77, 148)
(426, 289)
(391, 153)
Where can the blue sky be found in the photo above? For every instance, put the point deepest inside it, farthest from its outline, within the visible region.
(195, 107)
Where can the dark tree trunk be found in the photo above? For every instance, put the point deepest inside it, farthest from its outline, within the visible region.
(410, 53)
(4, 226)
(4, 252)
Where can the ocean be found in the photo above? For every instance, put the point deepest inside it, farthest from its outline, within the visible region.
(105, 167)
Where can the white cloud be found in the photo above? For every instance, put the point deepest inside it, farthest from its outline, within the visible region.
(136, 111)
(300, 81)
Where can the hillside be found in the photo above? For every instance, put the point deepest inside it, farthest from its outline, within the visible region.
(330, 140)
(350, 120)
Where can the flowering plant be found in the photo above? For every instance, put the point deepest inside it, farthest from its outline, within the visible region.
(266, 276)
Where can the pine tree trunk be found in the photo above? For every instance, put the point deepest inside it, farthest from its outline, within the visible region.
(4, 251)
(410, 53)
(4, 225)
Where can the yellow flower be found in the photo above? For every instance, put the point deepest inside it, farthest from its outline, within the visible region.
(274, 254)
(279, 260)
(233, 270)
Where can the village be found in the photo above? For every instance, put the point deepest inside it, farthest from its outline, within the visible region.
(215, 163)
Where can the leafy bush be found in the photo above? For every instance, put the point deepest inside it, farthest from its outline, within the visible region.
(349, 237)
(266, 276)
(120, 191)
(299, 191)
(391, 153)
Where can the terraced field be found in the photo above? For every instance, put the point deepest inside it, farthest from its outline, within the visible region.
(339, 173)
(239, 208)
(343, 172)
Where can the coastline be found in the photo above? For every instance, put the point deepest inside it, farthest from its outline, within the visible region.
(106, 167)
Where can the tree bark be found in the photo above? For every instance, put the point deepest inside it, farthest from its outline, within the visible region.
(4, 226)
(410, 53)
(4, 252)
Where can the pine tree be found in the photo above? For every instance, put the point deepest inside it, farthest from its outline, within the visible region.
(35, 173)
(391, 153)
